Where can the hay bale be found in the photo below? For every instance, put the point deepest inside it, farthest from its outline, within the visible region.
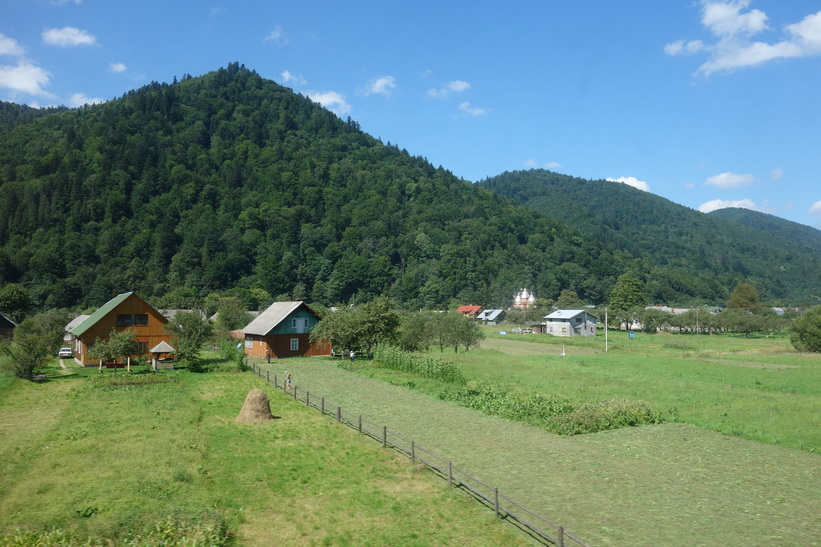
(255, 408)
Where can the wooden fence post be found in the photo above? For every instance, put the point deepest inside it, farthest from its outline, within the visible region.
(450, 473)
(496, 501)
(339, 414)
(268, 375)
(560, 536)
(360, 423)
(384, 436)
(413, 452)
(276, 383)
(307, 398)
(322, 407)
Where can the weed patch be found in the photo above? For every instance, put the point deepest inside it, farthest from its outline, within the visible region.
(603, 415)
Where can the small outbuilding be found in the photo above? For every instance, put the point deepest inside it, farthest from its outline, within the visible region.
(7, 327)
(283, 330)
(571, 323)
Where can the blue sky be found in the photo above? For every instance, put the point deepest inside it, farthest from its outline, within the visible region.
(708, 103)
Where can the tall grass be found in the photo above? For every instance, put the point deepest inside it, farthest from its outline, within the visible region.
(435, 369)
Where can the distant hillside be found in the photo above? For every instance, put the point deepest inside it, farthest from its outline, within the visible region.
(12, 115)
(682, 251)
(785, 230)
(231, 183)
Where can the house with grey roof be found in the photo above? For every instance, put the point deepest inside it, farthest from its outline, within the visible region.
(571, 323)
(283, 330)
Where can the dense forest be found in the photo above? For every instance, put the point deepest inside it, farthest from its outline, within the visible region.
(230, 183)
(789, 232)
(682, 251)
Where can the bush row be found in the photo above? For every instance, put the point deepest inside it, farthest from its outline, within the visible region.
(396, 359)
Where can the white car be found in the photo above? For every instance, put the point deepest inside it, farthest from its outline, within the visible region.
(65, 352)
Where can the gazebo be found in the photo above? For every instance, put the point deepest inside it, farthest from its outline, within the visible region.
(163, 348)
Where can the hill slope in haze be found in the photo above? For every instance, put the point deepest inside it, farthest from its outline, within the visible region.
(229, 182)
(787, 231)
(681, 250)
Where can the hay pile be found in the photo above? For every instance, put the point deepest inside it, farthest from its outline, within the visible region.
(255, 408)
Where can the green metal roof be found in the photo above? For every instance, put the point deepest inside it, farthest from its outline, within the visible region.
(101, 312)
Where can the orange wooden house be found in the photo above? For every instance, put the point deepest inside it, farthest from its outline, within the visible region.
(124, 311)
(283, 330)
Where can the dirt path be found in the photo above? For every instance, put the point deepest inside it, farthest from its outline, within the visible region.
(638, 486)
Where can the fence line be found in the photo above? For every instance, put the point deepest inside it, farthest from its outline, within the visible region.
(490, 496)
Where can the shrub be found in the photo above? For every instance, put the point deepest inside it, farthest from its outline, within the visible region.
(805, 333)
(396, 359)
(603, 415)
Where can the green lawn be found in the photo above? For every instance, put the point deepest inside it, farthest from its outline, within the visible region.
(756, 388)
(670, 484)
(167, 463)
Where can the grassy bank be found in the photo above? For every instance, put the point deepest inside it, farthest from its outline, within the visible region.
(167, 463)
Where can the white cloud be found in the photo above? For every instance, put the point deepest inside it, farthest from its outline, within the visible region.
(726, 19)
(632, 181)
(456, 86)
(734, 29)
(472, 110)
(729, 180)
(549, 165)
(117, 67)
(777, 174)
(68, 37)
(79, 99)
(383, 85)
(287, 77)
(815, 208)
(25, 77)
(680, 47)
(10, 46)
(277, 36)
(333, 101)
(716, 204)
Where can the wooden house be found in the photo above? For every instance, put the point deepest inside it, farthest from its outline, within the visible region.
(7, 327)
(283, 330)
(124, 311)
(571, 323)
(470, 311)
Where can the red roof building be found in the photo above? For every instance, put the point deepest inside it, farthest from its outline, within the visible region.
(470, 311)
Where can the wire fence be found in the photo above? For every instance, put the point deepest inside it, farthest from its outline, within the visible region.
(533, 524)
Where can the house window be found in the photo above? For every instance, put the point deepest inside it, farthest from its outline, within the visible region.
(132, 320)
(141, 347)
(249, 342)
(294, 344)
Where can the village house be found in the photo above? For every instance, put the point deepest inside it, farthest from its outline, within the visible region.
(283, 330)
(571, 323)
(470, 311)
(491, 317)
(125, 311)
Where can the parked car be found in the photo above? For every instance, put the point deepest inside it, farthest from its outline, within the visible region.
(65, 352)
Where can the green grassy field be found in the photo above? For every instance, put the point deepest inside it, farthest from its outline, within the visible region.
(85, 462)
(683, 483)
(755, 388)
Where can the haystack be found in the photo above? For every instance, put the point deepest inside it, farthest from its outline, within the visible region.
(255, 408)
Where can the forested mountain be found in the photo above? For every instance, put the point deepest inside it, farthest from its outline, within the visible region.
(682, 251)
(232, 183)
(12, 115)
(785, 230)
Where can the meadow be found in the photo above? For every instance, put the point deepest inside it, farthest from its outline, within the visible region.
(90, 459)
(733, 464)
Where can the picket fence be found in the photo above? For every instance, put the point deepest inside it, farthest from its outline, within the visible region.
(518, 515)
